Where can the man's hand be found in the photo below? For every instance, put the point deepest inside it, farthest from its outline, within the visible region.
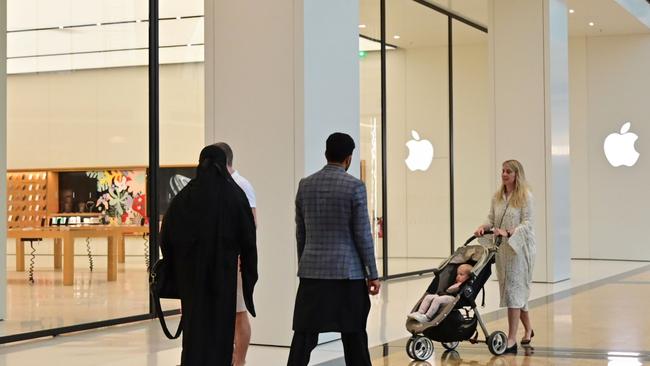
(373, 287)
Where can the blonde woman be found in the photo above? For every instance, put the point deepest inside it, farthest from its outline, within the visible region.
(511, 220)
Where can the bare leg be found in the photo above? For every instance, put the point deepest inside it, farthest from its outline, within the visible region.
(513, 324)
(242, 338)
(525, 320)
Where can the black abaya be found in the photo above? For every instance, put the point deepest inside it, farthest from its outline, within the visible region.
(207, 226)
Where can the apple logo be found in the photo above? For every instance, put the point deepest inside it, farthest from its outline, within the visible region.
(420, 153)
(619, 147)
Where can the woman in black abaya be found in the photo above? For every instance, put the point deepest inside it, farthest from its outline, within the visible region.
(207, 226)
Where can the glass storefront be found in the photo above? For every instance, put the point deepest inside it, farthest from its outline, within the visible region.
(473, 172)
(371, 133)
(78, 153)
(77, 143)
(429, 61)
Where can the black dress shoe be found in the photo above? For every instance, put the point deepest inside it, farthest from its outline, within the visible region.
(527, 341)
(512, 350)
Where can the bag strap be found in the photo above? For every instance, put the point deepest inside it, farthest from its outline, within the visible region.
(161, 317)
(497, 241)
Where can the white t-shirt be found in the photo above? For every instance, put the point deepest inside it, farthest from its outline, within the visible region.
(246, 186)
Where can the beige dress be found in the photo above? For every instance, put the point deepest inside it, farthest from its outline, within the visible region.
(516, 256)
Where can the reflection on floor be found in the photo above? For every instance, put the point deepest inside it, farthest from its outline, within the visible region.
(38, 306)
(601, 310)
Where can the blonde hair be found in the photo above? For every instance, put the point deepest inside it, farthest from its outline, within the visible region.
(519, 197)
(465, 266)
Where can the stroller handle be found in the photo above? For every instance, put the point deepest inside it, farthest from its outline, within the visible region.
(471, 239)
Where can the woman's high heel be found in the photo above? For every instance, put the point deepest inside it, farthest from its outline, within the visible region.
(527, 341)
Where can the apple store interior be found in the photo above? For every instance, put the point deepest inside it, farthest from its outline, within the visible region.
(102, 128)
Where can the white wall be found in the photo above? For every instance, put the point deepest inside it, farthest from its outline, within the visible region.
(271, 110)
(3, 157)
(256, 114)
(611, 87)
(528, 76)
(557, 139)
(100, 117)
(579, 148)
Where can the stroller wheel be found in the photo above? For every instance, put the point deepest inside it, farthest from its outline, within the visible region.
(419, 348)
(450, 346)
(497, 342)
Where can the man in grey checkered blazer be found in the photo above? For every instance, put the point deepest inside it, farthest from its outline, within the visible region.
(336, 258)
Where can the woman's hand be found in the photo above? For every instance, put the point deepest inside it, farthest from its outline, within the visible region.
(500, 232)
(481, 230)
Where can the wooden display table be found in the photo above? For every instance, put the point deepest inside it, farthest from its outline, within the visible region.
(139, 231)
(65, 235)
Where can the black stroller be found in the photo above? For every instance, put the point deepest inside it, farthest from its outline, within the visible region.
(457, 321)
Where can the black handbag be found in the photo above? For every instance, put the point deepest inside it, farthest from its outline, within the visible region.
(162, 285)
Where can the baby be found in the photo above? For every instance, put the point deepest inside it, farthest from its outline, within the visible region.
(432, 302)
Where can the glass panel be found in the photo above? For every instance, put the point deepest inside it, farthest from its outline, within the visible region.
(370, 116)
(77, 147)
(182, 99)
(418, 137)
(473, 151)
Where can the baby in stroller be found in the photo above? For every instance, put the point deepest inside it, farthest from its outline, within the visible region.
(432, 302)
(447, 311)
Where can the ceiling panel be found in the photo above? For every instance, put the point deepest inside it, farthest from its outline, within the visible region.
(608, 16)
(102, 38)
(416, 25)
(36, 14)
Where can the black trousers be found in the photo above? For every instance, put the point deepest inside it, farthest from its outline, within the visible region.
(355, 348)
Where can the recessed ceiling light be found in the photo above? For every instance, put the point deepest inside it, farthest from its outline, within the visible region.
(571, 11)
(60, 27)
(138, 20)
(396, 37)
(178, 18)
(99, 24)
(362, 26)
(189, 45)
(591, 24)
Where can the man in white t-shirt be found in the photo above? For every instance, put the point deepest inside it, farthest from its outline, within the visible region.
(242, 323)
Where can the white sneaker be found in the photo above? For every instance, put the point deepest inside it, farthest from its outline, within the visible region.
(419, 317)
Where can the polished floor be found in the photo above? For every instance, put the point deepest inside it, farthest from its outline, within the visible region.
(37, 306)
(599, 317)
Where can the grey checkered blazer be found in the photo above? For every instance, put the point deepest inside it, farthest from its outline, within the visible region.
(332, 227)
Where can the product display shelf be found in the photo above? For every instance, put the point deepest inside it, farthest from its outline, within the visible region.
(27, 199)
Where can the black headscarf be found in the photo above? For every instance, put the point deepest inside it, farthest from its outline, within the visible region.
(206, 217)
(199, 202)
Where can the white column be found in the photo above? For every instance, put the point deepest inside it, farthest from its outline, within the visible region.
(529, 76)
(280, 77)
(3, 158)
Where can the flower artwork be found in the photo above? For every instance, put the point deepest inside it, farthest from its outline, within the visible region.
(122, 196)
